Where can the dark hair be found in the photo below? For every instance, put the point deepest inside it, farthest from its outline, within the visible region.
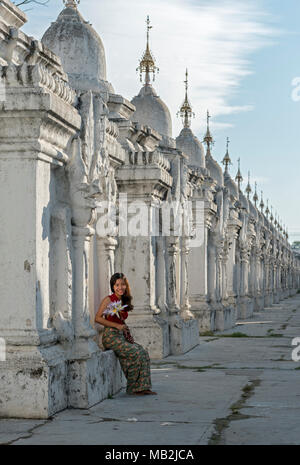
(126, 298)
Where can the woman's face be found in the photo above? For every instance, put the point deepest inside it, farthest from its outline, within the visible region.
(120, 286)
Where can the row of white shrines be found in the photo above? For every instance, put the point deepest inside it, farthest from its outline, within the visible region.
(68, 143)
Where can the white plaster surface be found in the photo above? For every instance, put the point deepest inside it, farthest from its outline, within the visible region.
(189, 401)
(67, 143)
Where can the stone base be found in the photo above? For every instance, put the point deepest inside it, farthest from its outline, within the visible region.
(259, 303)
(276, 298)
(94, 379)
(245, 308)
(184, 335)
(268, 300)
(38, 382)
(152, 332)
(33, 382)
(286, 293)
(202, 313)
(222, 317)
(229, 317)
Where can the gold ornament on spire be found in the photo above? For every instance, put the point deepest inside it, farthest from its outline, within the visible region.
(208, 139)
(267, 209)
(71, 3)
(262, 205)
(186, 112)
(147, 63)
(239, 177)
(248, 189)
(255, 197)
(226, 160)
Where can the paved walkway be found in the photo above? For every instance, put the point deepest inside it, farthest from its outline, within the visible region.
(228, 390)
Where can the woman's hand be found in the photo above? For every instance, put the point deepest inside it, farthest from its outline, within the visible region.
(121, 327)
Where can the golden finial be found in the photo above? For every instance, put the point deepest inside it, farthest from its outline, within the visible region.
(262, 205)
(226, 160)
(186, 112)
(255, 196)
(267, 209)
(71, 3)
(277, 221)
(208, 139)
(147, 63)
(248, 189)
(239, 177)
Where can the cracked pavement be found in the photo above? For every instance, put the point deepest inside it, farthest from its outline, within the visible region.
(228, 390)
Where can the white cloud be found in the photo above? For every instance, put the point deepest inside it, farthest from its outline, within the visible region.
(260, 180)
(213, 39)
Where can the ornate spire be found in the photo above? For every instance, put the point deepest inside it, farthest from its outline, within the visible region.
(255, 197)
(208, 139)
(226, 160)
(267, 209)
(71, 3)
(147, 63)
(262, 205)
(271, 217)
(239, 177)
(248, 189)
(276, 222)
(186, 111)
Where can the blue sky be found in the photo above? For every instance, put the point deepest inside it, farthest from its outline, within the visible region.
(242, 58)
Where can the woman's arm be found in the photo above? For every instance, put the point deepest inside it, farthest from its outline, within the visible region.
(100, 319)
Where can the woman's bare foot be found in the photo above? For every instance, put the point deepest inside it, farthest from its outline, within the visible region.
(138, 393)
(149, 392)
(146, 392)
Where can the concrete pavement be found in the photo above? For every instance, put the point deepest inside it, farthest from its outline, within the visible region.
(237, 387)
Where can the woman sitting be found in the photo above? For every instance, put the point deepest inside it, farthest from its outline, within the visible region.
(134, 359)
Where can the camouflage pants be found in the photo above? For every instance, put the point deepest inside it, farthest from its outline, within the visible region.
(134, 360)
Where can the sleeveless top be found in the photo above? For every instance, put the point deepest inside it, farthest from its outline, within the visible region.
(115, 318)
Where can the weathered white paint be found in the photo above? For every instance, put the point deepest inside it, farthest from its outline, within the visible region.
(68, 143)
